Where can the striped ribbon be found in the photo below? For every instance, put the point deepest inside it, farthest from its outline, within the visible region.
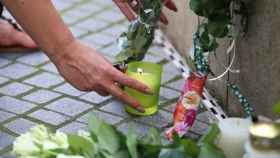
(208, 101)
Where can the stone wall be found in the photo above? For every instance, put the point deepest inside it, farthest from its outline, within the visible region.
(258, 54)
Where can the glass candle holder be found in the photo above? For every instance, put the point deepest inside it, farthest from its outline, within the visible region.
(234, 134)
(150, 75)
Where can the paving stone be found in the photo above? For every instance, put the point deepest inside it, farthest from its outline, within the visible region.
(16, 71)
(34, 59)
(68, 106)
(115, 30)
(140, 129)
(152, 58)
(162, 100)
(102, 2)
(51, 68)
(115, 107)
(5, 116)
(171, 108)
(77, 31)
(41, 96)
(200, 127)
(8, 155)
(49, 117)
(169, 72)
(205, 117)
(111, 16)
(92, 25)
(14, 105)
(14, 89)
(4, 62)
(3, 80)
(44, 80)
(6, 140)
(89, 8)
(69, 90)
(111, 50)
(94, 98)
(99, 39)
(69, 19)
(169, 93)
(160, 119)
(20, 126)
(111, 119)
(178, 85)
(12, 56)
(60, 5)
(73, 127)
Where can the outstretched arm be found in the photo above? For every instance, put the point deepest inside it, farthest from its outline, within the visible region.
(80, 64)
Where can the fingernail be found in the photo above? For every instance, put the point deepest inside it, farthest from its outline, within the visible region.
(149, 91)
(163, 19)
(140, 109)
(171, 6)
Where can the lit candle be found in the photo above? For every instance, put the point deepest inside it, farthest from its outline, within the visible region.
(234, 135)
(150, 75)
(264, 141)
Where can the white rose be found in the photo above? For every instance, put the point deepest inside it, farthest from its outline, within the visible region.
(61, 140)
(39, 133)
(69, 156)
(25, 146)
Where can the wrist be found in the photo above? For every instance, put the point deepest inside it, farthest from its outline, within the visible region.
(63, 51)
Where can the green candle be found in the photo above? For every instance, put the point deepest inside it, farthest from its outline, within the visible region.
(149, 74)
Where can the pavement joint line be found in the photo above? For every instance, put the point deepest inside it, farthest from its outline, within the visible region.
(91, 15)
(74, 6)
(101, 29)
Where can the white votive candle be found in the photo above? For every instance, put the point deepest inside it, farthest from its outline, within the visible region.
(234, 135)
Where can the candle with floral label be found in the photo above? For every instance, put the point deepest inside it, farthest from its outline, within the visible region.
(149, 74)
(234, 135)
(187, 105)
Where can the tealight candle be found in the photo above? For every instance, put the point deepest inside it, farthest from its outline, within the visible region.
(150, 75)
(234, 135)
(264, 141)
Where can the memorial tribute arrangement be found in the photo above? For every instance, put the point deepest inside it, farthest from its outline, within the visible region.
(227, 138)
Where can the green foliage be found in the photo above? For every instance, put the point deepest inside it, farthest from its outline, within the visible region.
(276, 108)
(139, 37)
(106, 142)
(218, 15)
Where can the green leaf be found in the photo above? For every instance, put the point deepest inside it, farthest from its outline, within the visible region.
(149, 151)
(173, 153)
(94, 124)
(108, 138)
(152, 138)
(210, 151)
(276, 108)
(190, 147)
(218, 28)
(131, 142)
(211, 135)
(197, 6)
(80, 145)
(122, 154)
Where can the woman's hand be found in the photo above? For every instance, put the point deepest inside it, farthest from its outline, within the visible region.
(87, 70)
(131, 7)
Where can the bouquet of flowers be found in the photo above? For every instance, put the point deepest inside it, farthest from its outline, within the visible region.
(105, 141)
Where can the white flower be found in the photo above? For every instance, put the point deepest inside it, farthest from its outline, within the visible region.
(25, 146)
(60, 139)
(39, 133)
(69, 156)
